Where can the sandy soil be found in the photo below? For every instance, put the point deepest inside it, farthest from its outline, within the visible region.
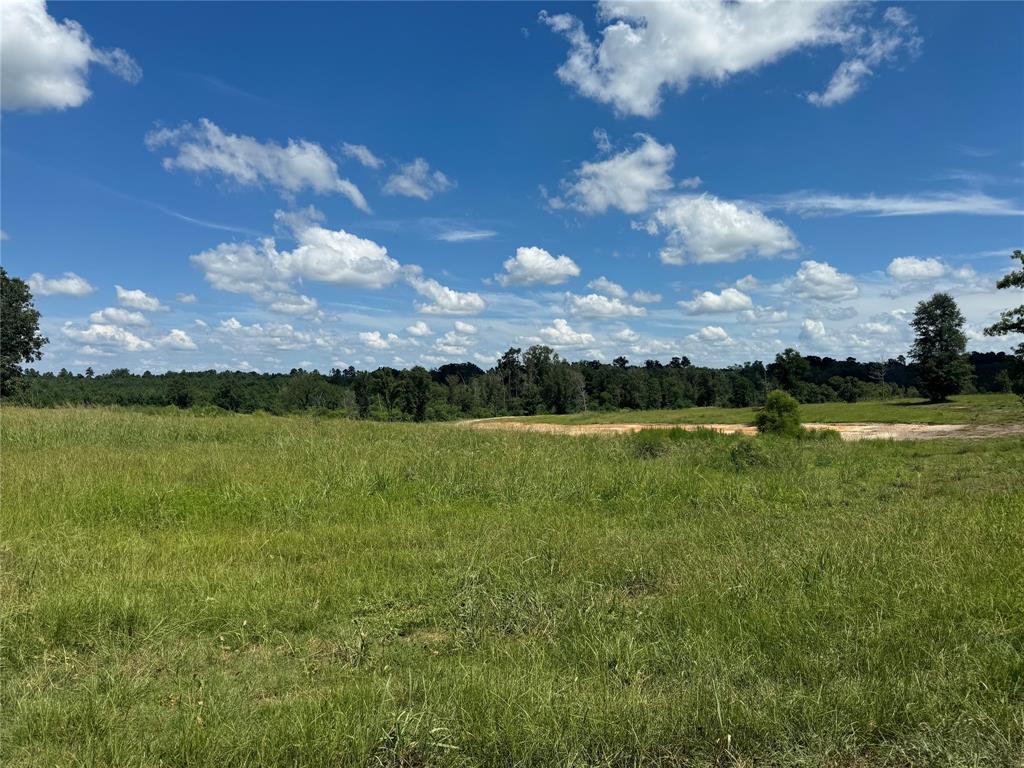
(859, 431)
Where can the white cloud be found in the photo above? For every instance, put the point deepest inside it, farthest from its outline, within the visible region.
(419, 328)
(711, 334)
(444, 300)
(561, 334)
(705, 229)
(375, 340)
(608, 288)
(822, 281)
(105, 335)
(533, 265)
(321, 254)
(764, 315)
(117, 316)
(626, 334)
(294, 304)
(44, 63)
(415, 179)
(178, 339)
(596, 305)
(281, 336)
(625, 181)
(649, 47)
(293, 167)
(813, 331)
(453, 343)
(966, 203)
(465, 235)
(911, 268)
(877, 46)
(692, 182)
(69, 284)
(467, 328)
(729, 300)
(138, 299)
(187, 298)
(646, 297)
(363, 154)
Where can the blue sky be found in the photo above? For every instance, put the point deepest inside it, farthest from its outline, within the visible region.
(267, 186)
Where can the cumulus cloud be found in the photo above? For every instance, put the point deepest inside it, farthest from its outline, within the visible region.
(292, 167)
(375, 340)
(561, 334)
(911, 268)
(178, 339)
(813, 331)
(612, 289)
(625, 181)
(362, 154)
(69, 284)
(647, 48)
(596, 305)
(44, 63)
(729, 300)
(280, 336)
(187, 298)
(532, 266)
(705, 229)
(444, 300)
(822, 281)
(138, 299)
(871, 47)
(267, 273)
(419, 328)
(106, 336)
(453, 343)
(117, 316)
(646, 297)
(711, 334)
(467, 328)
(415, 179)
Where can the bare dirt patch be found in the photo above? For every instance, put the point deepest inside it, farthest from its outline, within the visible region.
(850, 431)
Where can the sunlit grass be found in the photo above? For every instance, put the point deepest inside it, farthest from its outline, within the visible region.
(238, 590)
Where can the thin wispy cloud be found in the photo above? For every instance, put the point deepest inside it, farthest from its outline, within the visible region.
(930, 204)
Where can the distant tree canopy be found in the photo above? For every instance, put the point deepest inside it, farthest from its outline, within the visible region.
(522, 382)
(20, 340)
(940, 348)
(1012, 321)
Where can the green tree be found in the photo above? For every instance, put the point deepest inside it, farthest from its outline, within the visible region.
(1012, 320)
(790, 370)
(780, 415)
(20, 340)
(939, 346)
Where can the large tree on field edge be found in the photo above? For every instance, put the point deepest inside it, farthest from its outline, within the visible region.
(20, 340)
(940, 348)
(1012, 320)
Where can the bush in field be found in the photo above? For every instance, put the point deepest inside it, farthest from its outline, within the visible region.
(780, 415)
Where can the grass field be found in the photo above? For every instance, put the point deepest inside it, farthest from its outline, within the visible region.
(961, 409)
(263, 591)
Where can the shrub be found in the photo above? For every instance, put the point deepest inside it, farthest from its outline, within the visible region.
(779, 416)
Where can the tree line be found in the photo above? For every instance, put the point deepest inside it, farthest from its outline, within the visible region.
(527, 381)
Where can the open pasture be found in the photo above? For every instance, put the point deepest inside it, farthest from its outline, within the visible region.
(293, 591)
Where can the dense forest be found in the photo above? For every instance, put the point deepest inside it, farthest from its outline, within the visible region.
(531, 381)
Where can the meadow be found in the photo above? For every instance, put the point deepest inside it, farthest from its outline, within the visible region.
(959, 409)
(228, 590)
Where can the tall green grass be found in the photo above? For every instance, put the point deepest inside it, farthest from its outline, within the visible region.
(265, 591)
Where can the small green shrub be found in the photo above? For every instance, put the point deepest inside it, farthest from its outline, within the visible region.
(780, 415)
(820, 435)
